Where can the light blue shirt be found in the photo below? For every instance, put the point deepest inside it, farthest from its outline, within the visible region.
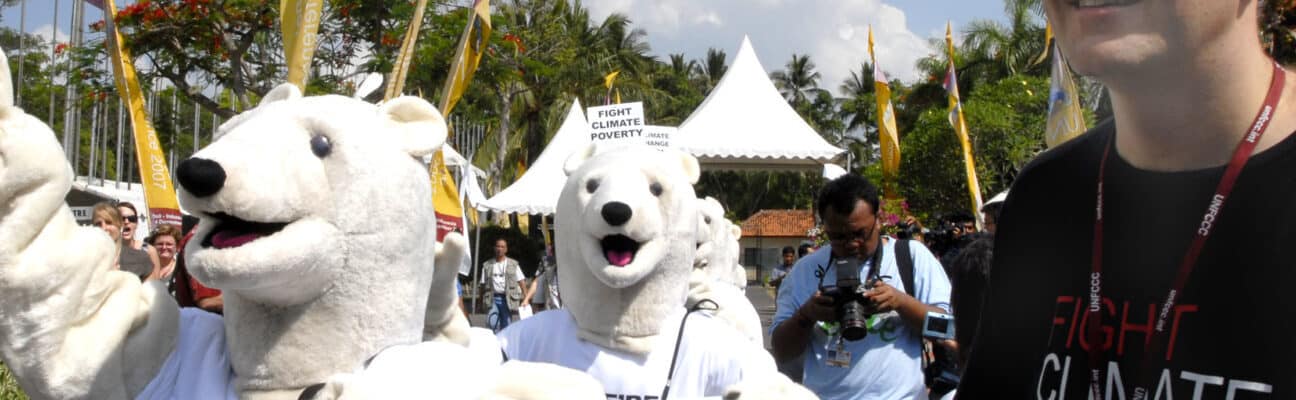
(887, 363)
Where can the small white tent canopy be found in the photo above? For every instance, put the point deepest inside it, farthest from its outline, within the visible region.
(746, 124)
(536, 192)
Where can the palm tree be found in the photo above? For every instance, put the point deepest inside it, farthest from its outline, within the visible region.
(711, 69)
(799, 83)
(857, 108)
(1009, 48)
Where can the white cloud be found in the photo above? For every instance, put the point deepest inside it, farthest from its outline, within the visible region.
(44, 31)
(834, 33)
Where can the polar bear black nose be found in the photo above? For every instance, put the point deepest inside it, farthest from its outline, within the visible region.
(200, 176)
(616, 213)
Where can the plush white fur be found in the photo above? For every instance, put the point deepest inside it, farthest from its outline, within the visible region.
(712, 277)
(349, 274)
(622, 307)
(70, 325)
(443, 321)
(447, 371)
(717, 252)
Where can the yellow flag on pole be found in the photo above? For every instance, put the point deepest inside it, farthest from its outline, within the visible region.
(960, 126)
(159, 193)
(1048, 43)
(445, 194)
(1066, 117)
(471, 46)
(397, 83)
(610, 78)
(886, 125)
(445, 197)
(299, 20)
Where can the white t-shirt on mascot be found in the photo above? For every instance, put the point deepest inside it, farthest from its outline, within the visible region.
(708, 359)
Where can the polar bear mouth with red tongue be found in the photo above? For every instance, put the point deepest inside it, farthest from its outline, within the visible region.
(231, 232)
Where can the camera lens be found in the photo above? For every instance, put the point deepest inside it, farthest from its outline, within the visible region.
(854, 321)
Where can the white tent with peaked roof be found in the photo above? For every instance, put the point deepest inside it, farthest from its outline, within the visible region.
(536, 192)
(746, 124)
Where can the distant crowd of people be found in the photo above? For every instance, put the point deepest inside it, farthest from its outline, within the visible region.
(158, 256)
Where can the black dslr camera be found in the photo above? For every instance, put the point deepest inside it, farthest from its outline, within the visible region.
(853, 310)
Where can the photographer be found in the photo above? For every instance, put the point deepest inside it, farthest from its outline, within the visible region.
(818, 313)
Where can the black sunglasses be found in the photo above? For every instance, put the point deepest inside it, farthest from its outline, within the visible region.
(131, 218)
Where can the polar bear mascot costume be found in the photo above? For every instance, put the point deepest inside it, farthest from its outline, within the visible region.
(626, 221)
(718, 248)
(316, 224)
(712, 278)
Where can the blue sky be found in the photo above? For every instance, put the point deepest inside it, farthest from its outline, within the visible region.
(832, 32)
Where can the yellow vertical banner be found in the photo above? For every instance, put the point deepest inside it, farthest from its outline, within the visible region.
(445, 196)
(471, 46)
(299, 20)
(886, 125)
(1066, 117)
(397, 83)
(960, 126)
(159, 193)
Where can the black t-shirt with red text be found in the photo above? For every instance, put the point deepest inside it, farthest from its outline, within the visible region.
(1231, 334)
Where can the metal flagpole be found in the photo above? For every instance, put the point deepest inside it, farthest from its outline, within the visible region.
(103, 158)
(121, 124)
(22, 52)
(197, 124)
(476, 270)
(175, 130)
(94, 137)
(71, 120)
(53, 55)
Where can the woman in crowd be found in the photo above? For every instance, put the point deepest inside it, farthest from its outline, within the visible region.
(137, 262)
(130, 225)
(166, 240)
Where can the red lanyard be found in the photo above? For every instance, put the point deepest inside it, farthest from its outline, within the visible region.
(1240, 156)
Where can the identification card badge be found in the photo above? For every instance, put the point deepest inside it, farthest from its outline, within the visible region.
(838, 356)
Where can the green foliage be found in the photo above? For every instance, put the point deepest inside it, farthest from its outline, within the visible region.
(745, 192)
(9, 389)
(1006, 123)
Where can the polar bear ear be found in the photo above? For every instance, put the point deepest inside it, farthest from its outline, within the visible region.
(421, 127)
(6, 82)
(690, 166)
(285, 91)
(736, 231)
(577, 158)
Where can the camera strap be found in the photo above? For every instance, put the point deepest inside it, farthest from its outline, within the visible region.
(1246, 147)
(670, 372)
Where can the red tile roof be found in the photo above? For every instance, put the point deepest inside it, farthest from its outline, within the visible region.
(778, 223)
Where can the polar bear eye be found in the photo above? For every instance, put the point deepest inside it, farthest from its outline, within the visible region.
(321, 146)
(655, 188)
(591, 185)
(707, 220)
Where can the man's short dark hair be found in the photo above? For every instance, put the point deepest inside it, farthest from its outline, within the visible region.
(804, 249)
(843, 193)
(788, 250)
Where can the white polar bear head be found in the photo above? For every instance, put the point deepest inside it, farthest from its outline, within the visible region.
(315, 221)
(717, 252)
(626, 221)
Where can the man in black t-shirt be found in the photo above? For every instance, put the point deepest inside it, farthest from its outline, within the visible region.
(1125, 263)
